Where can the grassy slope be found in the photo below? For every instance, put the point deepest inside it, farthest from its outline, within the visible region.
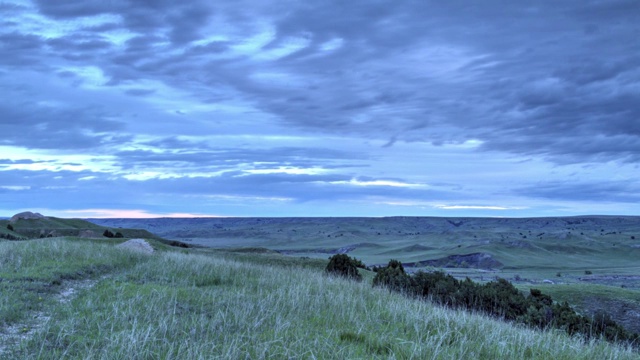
(35, 228)
(202, 304)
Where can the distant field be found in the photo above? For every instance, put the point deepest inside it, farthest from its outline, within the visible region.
(535, 248)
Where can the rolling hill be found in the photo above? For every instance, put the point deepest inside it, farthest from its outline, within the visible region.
(30, 225)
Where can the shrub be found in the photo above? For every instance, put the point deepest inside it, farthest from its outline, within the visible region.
(178, 244)
(343, 265)
(501, 299)
(359, 264)
(437, 286)
(118, 235)
(393, 277)
(9, 237)
(108, 234)
(10, 227)
(588, 272)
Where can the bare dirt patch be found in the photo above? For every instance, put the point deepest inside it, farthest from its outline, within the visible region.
(139, 245)
(14, 334)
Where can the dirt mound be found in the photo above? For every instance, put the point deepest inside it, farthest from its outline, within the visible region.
(27, 215)
(140, 245)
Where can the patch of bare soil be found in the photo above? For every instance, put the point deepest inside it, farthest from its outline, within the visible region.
(140, 245)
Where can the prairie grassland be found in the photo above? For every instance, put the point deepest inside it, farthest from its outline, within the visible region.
(188, 305)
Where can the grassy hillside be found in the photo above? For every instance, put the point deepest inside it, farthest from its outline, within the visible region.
(74, 300)
(55, 227)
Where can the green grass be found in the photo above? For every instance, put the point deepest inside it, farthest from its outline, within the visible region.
(43, 227)
(581, 292)
(31, 271)
(189, 304)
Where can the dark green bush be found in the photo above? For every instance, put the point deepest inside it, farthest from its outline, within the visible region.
(108, 234)
(343, 265)
(9, 237)
(393, 277)
(437, 286)
(359, 264)
(118, 235)
(10, 227)
(501, 299)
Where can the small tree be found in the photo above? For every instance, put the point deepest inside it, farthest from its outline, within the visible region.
(343, 265)
(107, 233)
(10, 227)
(119, 235)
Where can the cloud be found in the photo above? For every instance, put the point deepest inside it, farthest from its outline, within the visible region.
(320, 102)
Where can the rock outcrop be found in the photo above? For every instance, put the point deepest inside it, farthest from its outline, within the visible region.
(27, 215)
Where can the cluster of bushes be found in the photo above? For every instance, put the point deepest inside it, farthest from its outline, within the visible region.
(109, 234)
(179, 244)
(497, 298)
(501, 299)
(9, 237)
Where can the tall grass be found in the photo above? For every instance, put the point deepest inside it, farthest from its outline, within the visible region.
(31, 271)
(186, 306)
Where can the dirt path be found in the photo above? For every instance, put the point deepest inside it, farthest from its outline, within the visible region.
(13, 335)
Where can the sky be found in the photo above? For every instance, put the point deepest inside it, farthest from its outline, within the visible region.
(148, 108)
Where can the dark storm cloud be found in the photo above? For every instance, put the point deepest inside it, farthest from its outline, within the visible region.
(536, 69)
(527, 79)
(72, 9)
(20, 50)
(182, 19)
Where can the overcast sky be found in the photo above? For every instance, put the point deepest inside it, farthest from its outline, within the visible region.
(124, 108)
